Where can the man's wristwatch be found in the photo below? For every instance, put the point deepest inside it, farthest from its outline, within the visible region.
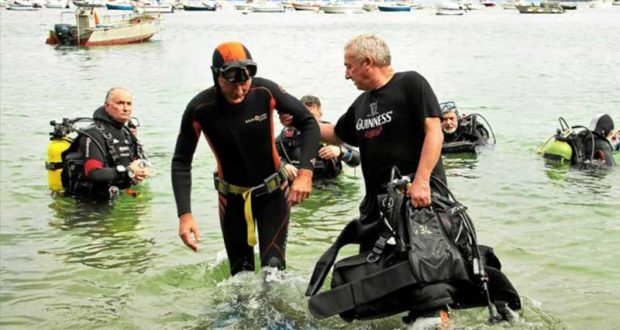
(121, 169)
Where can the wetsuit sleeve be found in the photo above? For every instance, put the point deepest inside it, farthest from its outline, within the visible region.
(94, 159)
(345, 128)
(302, 120)
(181, 169)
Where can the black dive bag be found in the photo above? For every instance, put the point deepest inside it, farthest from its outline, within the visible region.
(423, 259)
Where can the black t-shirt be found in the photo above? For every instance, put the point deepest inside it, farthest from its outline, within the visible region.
(387, 125)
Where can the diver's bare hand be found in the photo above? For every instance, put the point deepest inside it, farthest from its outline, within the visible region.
(139, 171)
(187, 228)
(285, 119)
(329, 152)
(420, 193)
(291, 171)
(301, 187)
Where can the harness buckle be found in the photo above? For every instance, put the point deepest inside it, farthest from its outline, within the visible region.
(220, 185)
(272, 182)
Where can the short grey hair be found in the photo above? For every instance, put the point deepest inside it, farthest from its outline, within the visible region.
(112, 90)
(371, 47)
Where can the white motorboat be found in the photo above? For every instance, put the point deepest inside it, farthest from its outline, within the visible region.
(89, 3)
(56, 4)
(268, 7)
(21, 5)
(92, 30)
(449, 8)
(306, 6)
(154, 7)
(343, 8)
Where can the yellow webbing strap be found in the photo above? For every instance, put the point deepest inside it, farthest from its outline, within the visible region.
(249, 217)
(246, 193)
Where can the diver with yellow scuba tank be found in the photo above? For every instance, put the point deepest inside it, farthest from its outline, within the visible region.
(582, 146)
(104, 158)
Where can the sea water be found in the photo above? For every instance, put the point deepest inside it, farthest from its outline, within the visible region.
(556, 230)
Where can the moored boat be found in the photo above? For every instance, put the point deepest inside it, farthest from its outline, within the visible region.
(89, 3)
(394, 6)
(21, 5)
(449, 8)
(268, 7)
(343, 8)
(119, 6)
(306, 6)
(92, 30)
(199, 6)
(545, 8)
(56, 4)
(154, 7)
(568, 5)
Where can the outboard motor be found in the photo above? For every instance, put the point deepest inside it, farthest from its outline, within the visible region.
(66, 34)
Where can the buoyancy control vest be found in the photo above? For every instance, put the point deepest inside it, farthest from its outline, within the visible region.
(424, 259)
(471, 133)
(289, 148)
(577, 145)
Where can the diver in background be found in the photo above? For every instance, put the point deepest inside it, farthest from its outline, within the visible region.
(457, 128)
(583, 146)
(602, 128)
(105, 157)
(330, 157)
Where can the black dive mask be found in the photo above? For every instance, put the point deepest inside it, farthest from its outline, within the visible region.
(237, 72)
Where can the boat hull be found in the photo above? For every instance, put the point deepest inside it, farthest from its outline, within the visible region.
(393, 8)
(157, 9)
(342, 9)
(112, 6)
(539, 10)
(198, 8)
(138, 29)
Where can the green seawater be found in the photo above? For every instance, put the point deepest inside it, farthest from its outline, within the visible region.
(65, 265)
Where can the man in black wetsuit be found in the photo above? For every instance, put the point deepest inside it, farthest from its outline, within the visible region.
(602, 128)
(111, 155)
(395, 121)
(236, 117)
(457, 128)
(330, 157)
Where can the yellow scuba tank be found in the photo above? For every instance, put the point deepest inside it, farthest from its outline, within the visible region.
(559, 151)
(59, 142)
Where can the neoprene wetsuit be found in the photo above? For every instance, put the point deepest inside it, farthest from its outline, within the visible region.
(464, 132)
(242, 139)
